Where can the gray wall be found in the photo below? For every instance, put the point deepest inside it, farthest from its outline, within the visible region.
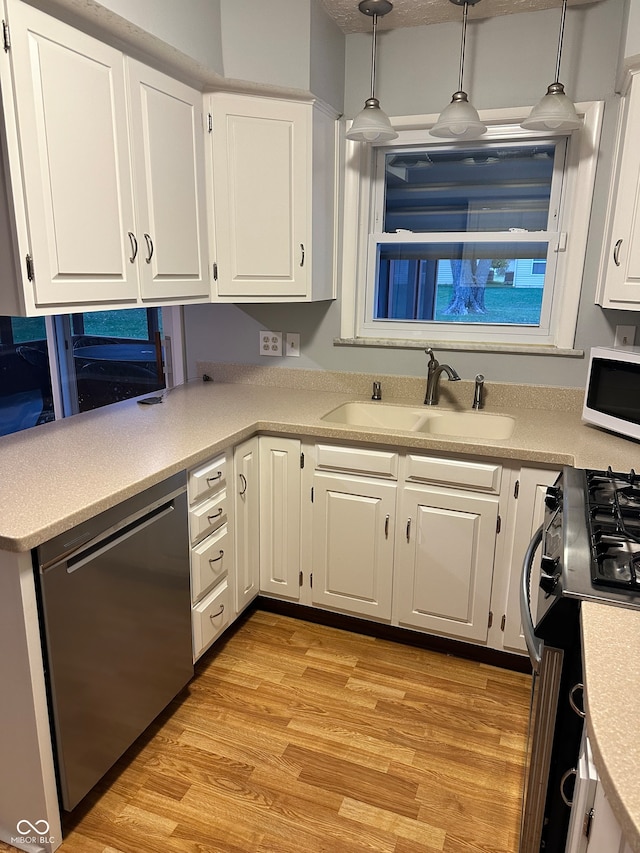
(511, 60)
(192, 26)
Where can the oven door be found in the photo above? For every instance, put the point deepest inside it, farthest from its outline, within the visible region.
(547, 673)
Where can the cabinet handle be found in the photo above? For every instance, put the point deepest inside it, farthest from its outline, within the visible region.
(301, 254)
(149, 248)
(616, 253)
(243, 480)
(213, 616)
(408, 529)
(213, 479)
(216, 559)
(134, 247)
(565, 776)
(386, 527)
(215, 515)
(574, 707)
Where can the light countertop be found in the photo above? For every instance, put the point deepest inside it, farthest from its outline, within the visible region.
(57, 475)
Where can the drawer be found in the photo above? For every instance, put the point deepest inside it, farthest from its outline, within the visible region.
(211, 561)
(208, 516)
(483, 477)
(203, 479)
(210, 618)
(378, 462)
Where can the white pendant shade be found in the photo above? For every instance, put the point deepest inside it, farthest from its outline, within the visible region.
(371, 124)
(459, 120)
(555, 111)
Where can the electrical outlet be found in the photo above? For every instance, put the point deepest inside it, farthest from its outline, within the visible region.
(292, 343)
(270, 343)
(625, 336)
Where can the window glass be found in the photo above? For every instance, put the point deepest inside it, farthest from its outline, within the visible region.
(497, 283)
(466, 234)
(26, 397)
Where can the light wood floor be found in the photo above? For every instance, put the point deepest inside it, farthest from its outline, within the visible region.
(298, 738)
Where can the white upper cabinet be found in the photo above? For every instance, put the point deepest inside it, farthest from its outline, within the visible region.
(619, 279)
(106, 161)
(273, 177)
(168, 160)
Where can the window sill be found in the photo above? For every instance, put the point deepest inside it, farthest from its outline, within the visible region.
(460, 346)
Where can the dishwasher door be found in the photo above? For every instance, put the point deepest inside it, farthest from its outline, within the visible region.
(117, 618)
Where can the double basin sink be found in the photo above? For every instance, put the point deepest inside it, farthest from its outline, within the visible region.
(431, 421)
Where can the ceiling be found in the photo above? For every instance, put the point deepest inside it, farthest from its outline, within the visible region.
(415, 13)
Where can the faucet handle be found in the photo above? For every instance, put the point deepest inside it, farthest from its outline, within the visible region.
(432, 359)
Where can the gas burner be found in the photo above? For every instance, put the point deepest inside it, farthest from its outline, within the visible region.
(614, 515)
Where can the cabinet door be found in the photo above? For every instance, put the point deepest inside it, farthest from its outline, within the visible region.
(620, 265)
(168, 163)
(444, 561)
(532, 488)
(353, 520)
(280, 516)
(261, 165)
(70, 97)
(247, 521)
(605, 833)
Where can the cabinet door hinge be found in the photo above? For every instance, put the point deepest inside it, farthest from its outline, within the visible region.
(490, 618)
(6, 36)
(302, 460)
(311, 580)
(498, 525)
(586, 823)
(311, 494)
(503, 621)
(30, 268)
(516, 489)
(300, 578)
(215, 271)
(210, 123)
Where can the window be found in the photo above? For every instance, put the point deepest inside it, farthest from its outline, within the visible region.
(475, 242)
(100, 357)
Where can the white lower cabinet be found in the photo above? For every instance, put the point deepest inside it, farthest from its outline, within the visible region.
(529, 491)
(211, 525)
(246, 489)
(353, 534)
(280, 504)
(444, 561)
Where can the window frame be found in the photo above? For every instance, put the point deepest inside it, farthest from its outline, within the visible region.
(575, 208)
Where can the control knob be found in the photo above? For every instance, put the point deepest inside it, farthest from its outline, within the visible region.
(553, 497)
(549, 575)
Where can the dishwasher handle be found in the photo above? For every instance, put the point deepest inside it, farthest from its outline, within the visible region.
(108, 539)
(534, 644)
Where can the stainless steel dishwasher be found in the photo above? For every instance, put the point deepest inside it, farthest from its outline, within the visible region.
(117, 621)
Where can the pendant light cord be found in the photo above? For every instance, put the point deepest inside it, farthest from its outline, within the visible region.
(373, 56)
(564, 12)
(464, 36)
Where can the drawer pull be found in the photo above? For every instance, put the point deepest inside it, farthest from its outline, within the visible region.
(386, 527)
(616, 253)
(213, 616)
(210, 518)
(243, 481)
(565, 777)
(408, 529)
(213, 479)
(217, 559)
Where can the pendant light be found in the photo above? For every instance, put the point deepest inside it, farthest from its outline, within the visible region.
(372, 124)
(555, 111)
(460, 120)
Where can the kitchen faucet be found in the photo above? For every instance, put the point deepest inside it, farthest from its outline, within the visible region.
(434, 372)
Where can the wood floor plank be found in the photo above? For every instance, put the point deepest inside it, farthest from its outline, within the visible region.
(296, 737)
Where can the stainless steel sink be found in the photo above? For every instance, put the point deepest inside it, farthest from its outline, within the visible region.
(431, 421)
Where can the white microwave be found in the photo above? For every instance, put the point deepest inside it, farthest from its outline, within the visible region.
(612, 395)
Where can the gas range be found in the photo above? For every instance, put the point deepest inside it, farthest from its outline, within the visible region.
(592, 536)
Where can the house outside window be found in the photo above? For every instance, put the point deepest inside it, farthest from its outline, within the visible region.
(478, 242)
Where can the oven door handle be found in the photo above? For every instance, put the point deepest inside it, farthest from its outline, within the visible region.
(534, 644)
